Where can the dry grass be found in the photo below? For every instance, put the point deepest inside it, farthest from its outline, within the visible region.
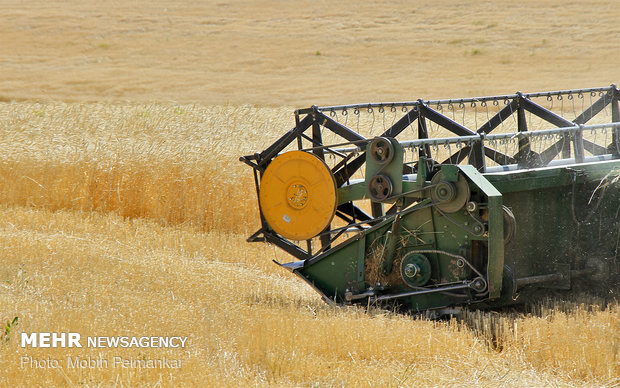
(175, 164)
(119, 222)
(130, 218)
(250, 323)
(265, 52)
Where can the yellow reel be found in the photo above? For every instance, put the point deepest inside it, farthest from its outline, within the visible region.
(298, 195)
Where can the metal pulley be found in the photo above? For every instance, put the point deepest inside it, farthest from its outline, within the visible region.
(415, 269)
(298, 195)
(449, 196)
(510, 223)
(380, 187)
(381, 150)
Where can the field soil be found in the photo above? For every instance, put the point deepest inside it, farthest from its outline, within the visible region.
(124, 209)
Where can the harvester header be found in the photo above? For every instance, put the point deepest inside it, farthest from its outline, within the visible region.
(433, 205)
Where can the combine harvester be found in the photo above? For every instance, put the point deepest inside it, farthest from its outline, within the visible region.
(433, 205)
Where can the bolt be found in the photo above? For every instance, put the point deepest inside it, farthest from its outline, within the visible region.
(411, 270)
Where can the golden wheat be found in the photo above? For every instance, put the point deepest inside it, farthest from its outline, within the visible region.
(250, 323)
(304, 52)
(172, 163)
(116, 221)
(129, 218)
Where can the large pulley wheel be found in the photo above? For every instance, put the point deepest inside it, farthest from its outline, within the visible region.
(380, 187)
(298, 195)
(381, 150)
(448, 196)
(415, 269)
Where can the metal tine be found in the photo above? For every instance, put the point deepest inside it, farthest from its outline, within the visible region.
(407, 104)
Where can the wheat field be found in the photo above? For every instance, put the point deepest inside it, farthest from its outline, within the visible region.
(124, 209)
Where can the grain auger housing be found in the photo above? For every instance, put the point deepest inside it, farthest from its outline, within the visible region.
(432, 205)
